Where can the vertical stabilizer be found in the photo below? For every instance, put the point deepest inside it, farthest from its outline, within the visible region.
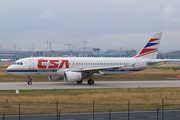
(150, 50)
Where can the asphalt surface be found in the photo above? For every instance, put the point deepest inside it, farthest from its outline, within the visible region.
(144, 115)
(84, 85)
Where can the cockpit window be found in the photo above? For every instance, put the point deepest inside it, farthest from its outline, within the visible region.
(18, 63)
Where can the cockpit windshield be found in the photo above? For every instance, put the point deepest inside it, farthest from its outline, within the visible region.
(18, 63)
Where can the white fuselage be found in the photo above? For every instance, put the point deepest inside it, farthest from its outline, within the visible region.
(50, 66)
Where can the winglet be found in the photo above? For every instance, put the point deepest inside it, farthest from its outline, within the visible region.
(150, 50)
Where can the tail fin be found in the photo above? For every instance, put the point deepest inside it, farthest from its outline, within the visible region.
(150, 50)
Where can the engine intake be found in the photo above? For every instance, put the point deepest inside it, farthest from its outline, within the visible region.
(72, 76)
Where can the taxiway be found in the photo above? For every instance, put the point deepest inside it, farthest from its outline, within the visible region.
(84, 85)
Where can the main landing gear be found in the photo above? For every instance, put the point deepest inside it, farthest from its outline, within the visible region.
(90, 82)
(30, 80)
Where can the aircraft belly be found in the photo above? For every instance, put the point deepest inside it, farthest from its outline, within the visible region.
(35, 73)
(39, 72)
(117, 72)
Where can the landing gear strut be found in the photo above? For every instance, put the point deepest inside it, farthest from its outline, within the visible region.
(30, 80)
(90, 82)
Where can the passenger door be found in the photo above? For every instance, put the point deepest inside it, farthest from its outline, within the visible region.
(32, 64)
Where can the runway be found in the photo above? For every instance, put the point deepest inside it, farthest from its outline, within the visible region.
(84, 85)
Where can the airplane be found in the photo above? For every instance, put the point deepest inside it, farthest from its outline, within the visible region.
(5, 60)
(75, 69)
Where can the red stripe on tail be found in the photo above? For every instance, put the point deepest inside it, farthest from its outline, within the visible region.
(153, 39)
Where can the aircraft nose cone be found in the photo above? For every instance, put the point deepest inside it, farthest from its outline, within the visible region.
(11, 70)
(8, 69)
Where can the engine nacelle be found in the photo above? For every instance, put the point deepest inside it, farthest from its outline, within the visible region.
(55, 78)
(72, 76)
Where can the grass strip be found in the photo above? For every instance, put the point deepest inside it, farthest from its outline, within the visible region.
(69, 101)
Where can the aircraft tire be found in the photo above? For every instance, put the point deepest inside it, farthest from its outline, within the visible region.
(29, 82)
(91, 82)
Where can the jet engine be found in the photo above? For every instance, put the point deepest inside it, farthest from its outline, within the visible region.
(72, 76)
(55, 78)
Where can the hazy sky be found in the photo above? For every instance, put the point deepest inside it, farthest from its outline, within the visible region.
(103, 23)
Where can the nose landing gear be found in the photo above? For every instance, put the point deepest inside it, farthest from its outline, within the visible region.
(30, 80)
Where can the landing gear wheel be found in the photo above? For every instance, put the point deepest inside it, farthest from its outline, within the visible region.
(29, 82)
(91, 82)
(80, 82)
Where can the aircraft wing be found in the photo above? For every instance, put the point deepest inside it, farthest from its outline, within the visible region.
(157, 61)
(100, 68)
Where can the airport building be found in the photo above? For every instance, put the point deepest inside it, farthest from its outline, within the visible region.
(170, 55)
